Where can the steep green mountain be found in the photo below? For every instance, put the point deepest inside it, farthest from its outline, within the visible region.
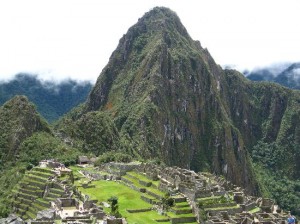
(289, 76)
(25, 139)
(19, 120)
(52, 99)
(162, 97)
(163, 92)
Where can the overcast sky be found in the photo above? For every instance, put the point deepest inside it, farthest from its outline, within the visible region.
(72, 38)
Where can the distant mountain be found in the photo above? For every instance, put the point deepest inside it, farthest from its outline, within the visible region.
(52, 99)
(288, 76)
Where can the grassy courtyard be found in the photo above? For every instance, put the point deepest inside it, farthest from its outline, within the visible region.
(128, 199)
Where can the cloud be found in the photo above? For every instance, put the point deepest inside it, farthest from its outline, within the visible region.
(60, 39)
(297, 72)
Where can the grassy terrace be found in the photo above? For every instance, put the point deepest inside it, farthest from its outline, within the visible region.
(182, 205)
(217, 203)
(208, 198)
(151, 188)
(30, 191)
(127, 197)
(222, 208)
(144, 178)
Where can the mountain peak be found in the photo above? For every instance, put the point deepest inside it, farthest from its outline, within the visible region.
(161, 18)
(156, 35)
(159, 14)
(18, 120)
(24, 113)
(19, 103)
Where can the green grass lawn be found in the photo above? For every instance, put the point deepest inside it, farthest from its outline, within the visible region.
(127, 198)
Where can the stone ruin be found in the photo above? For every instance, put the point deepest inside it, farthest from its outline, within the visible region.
(191, 185)
(195, 186)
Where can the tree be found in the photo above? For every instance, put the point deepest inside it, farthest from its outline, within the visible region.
(167, 201)
(114, 206)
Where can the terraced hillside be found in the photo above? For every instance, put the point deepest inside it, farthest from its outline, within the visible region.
(35, 192)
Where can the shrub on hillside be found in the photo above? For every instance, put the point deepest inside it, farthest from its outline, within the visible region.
(113, 156)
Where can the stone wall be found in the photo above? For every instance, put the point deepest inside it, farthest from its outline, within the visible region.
(183, 220)
(231, 211)
(114, 221)
(250, 206)
(145, 183)
(68, 202)
(158, 197)
(139, 210)
(148, 200)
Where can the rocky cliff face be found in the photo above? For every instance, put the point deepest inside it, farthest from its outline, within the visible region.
(18, 121)
(165, 94)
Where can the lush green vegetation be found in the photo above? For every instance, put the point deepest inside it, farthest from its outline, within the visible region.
(114, 207)
(113, 156)
(127, 199)
(276, 185)
(277, 174)
(45, 146)
(52, 99)
(9, 177)
(93, 132)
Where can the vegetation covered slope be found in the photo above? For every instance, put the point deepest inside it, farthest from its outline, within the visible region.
(52, 99)
(25, 139)
(168, 99)
(18, 121)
